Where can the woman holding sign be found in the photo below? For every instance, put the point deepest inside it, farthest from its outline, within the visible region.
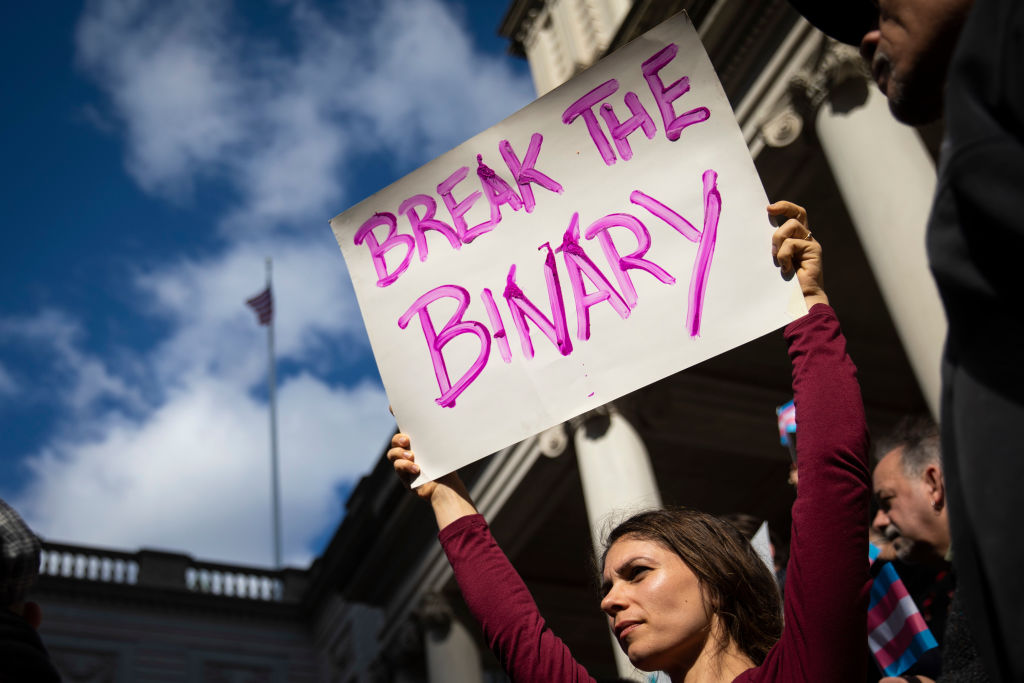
(683, 591)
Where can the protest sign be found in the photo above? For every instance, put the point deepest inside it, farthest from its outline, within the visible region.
(607, 235)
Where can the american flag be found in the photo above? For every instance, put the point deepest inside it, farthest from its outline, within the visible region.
(263, 305)
(897, 634)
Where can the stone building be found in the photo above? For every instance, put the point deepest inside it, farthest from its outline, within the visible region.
(381, 604)
(158, 616)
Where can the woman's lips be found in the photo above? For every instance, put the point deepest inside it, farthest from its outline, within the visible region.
(625, 628)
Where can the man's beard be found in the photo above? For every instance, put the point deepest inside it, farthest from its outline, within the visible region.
(915, 96)
(914, 108)
(905, 548)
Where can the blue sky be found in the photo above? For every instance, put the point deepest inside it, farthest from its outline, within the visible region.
(155, 154)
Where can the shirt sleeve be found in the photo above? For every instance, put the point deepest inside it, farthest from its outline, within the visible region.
(496, 595)
(827, 580)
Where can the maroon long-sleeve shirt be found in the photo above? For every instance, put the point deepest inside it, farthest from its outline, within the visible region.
(827, 579)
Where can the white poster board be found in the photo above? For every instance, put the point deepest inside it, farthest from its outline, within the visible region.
(609, 234)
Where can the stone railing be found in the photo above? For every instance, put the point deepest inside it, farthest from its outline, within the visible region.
(234, 582)
(89, 564)
(171, 571)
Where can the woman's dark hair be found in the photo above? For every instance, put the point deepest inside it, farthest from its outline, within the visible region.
(735, 582)
(749, 525)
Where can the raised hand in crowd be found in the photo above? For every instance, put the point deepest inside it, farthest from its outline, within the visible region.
(796, 251)
(447, 496)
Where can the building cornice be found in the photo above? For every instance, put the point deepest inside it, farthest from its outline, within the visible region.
(516, 23)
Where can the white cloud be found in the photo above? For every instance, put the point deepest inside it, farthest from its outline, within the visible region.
(200, 100)
(189, 471)
(418, 107)
(77, 379)
(332, 436)
(197, 101)
(194, 476)
(215, 332)
(166, 70)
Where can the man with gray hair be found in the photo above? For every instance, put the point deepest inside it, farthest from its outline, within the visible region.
(912, 515)
(911, 494)
(22, 654)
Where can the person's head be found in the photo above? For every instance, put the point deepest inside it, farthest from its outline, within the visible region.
(907, 45)
(19, 565)
(676, 582)
(911, 492)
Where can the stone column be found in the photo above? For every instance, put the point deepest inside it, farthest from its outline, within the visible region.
(617, 479)
(887, 180)
(452, 656)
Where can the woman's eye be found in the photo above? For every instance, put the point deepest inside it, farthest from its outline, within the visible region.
(638, 572)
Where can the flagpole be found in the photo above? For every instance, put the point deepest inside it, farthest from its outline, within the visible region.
(272, 393)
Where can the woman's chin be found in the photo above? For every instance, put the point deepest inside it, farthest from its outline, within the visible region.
(641, 660)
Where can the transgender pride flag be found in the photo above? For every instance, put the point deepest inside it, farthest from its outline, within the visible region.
(787, 421)
(897, 633)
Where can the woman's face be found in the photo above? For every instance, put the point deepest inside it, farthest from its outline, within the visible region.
(654, 605)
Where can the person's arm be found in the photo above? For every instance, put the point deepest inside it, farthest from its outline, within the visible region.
(495, 594)
(796, 252)
(447, 496)
(827, 579)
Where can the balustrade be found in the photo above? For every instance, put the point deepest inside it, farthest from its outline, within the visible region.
(151, 568)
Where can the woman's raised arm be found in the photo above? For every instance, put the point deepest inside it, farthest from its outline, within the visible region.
(495, 594)
(447, 496)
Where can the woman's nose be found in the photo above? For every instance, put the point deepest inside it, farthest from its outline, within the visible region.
(612, 602)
